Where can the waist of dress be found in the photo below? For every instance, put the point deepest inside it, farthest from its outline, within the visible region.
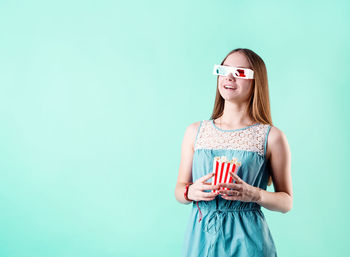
(236, 207)
(219, 208)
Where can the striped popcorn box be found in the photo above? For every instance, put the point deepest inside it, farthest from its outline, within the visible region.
(221, 168)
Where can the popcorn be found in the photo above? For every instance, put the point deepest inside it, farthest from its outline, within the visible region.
(221, 168)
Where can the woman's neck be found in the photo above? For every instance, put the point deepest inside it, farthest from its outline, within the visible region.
(235, 115)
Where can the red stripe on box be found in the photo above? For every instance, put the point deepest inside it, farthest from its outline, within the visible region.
(216, 173)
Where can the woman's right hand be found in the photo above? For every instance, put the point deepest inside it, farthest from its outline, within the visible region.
(195, 191)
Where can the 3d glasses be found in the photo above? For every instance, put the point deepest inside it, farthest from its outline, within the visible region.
(242, 73)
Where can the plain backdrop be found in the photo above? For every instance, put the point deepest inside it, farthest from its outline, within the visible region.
(95, 99)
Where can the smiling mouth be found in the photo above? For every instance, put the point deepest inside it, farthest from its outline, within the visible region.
(230, 88)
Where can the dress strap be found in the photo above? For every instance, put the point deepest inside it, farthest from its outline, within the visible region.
(195, 141)
(265, 143)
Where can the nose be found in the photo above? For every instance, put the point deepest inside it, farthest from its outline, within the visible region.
(230, 77)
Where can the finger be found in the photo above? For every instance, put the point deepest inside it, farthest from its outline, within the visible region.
(231, 186)
(209, 184)
(210, 187)
(208, 199)
(232, 195)
(229, 192)
(206, 177)
(236, 177)
(208, 195)
(231, 198)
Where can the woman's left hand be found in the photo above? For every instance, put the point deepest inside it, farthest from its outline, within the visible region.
(240, 191)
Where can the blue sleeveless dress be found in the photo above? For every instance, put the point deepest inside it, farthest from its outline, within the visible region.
(222, 228)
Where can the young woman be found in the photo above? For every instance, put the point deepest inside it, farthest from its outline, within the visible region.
(226, 218)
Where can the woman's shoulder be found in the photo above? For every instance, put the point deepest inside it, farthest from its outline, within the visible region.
(191, 133)
(276, 140)
(276, 134)
(193, 127)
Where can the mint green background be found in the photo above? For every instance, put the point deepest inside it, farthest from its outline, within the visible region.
(96, 96)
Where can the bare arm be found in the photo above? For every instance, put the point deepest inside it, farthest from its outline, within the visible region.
(185, 170)
(279, 156)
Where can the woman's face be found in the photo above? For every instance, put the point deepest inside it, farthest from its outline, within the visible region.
(241, 87)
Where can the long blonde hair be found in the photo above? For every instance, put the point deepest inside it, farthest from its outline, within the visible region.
(259, 102)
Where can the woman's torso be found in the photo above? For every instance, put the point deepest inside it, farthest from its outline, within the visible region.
(222, 227)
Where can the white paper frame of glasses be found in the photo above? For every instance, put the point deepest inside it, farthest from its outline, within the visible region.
(236, 72)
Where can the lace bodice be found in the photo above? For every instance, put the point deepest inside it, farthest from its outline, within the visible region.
(251, 138)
